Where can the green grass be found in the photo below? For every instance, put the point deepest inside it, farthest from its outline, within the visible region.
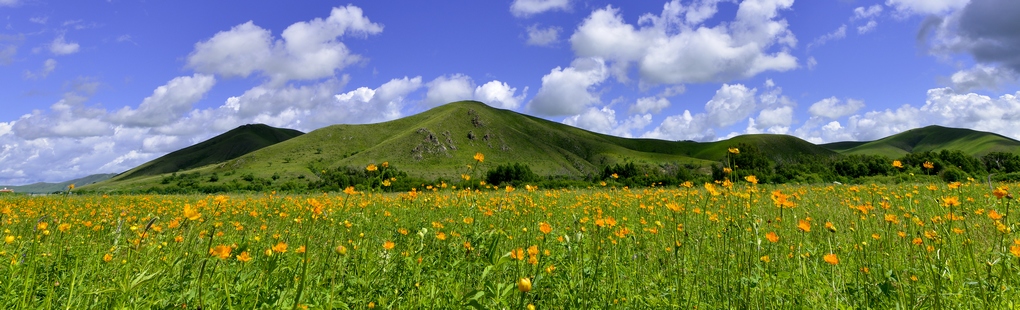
(927, 245)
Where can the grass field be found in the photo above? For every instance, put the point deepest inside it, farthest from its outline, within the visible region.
(707, 246)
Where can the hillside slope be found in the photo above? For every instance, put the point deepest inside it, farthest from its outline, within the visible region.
(224, 147)
(931, 138)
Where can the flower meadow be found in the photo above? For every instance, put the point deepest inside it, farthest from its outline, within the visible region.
(713, 245)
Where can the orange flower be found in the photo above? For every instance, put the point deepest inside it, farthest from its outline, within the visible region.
(244, 257)
(388, 245)
(479, 157)
(831, 259)
(300, 249)
(350, 190)
(544, 227)
(752, 179)
(221, 251)
(108, 257)
(928, 165)
(371, 167)
(994, 215)
(917, 241)
(1015, 250)
(897, 164)
(1000, 192)
(517, 254)
(830, 226)
(804, 226)
(950, 201)
(64, 227)
(772, 237)
(280, 248)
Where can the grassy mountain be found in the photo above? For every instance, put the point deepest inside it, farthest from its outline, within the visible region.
(441, 142)
(224, 147)
(931, 138)
(45, 188)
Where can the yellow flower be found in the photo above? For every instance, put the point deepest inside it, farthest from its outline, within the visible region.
(951, 201)
(550, 269)
(479, 157)
(734, 150)
(615, 176)
(70, 187)
(42, 226)
(9, 239)
(897, 164)
(830, 258)
(830, 226)
(727, 170)
(64, 227)
(752, 179)
(765, 259)
(385, 164)
(524, 285)
(190, 213)
(371, 167)
(221, 251)
(772, 237)
(388, 245)
(300, 249)
(244, 257)
(350, 190)
(280, 248)
(108, 257)
(994, 215)
(928, 165)
(804, 226)
(340, 249)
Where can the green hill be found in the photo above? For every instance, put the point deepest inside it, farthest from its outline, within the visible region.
(441, 142)
(46, 188)
(931, 138)
(224, 147)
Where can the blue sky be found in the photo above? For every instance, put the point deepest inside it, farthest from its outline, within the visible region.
(103, 86)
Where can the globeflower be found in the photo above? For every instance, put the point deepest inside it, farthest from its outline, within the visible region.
(371, 167)
(804, 226)
(190, 213)
(734, 150)
(897, 164)
(524, 285)
(479, 157)
(830, 258)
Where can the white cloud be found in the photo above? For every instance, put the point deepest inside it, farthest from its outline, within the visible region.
(568, 91)
(839, 33)
(445, 89)
(649, 104)
(39, 20)
(672, 91)
(458, 87)
(499, 94)
(365, 105)
(832, 108)
(731, 104)
(674, 47)
(925, 7)
(776, 120)
(526, 8)
(305, 51)
(604, 121)
(683, 127)
(539, 36)
(48, 66)
(867, 27)
(981, 77)
(59, 46)
(867, 12)
(812, 63)
(9, 2)
(168, 103)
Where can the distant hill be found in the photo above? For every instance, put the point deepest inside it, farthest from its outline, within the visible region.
(224, 147)
(440, 143)
(45, 188)
(931, 138)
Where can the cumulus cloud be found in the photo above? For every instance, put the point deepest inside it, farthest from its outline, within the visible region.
(445, 89)
(60, 46)
(676, 47)
(458, 87)
(305, 51)
(649, 104)
(500, 95)
(526, 8)
(833, 108)
(539, 36)
(48, 66)
(981, 77)
(168, 103)
(731, 104)
(684, 126)
(983, 29)
(604, 121)
(568, 91)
